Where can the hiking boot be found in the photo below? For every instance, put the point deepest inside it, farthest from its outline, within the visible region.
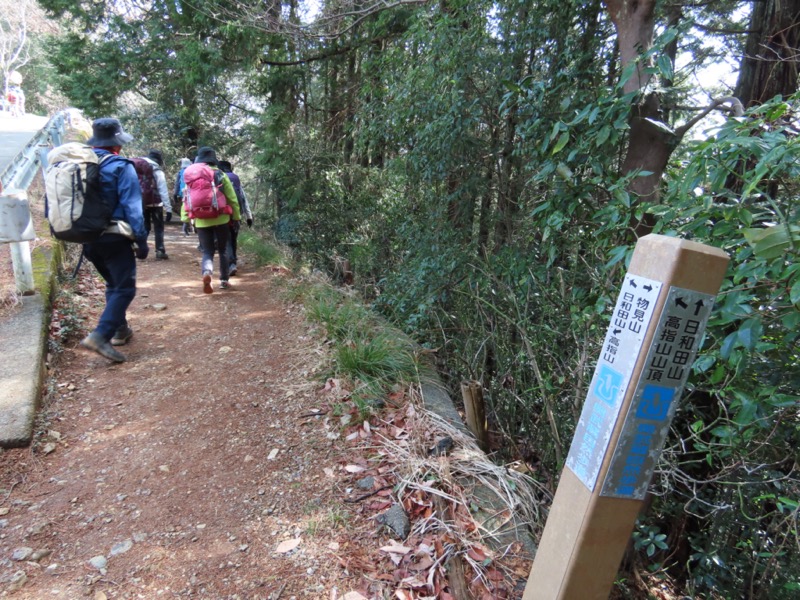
(207, 283)
(95, 342)
(122, 336)
(161, 255)
(223, 284)
(233, 270)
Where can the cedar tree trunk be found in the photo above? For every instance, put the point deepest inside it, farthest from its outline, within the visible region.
(650, 142)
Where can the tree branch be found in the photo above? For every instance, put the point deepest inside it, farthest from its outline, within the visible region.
(735, 107)
(317, 30)
(323, 55)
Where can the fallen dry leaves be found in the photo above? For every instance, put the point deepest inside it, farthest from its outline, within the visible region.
(443, 532)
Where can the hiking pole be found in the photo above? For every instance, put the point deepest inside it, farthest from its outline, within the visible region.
(78, 266)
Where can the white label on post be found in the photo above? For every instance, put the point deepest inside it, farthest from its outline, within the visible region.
(621, 348)
(669, 359)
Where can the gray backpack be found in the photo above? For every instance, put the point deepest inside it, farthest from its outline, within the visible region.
(74, 206)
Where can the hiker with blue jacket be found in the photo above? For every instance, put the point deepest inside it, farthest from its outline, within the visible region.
(112, 253)
(210, 200)
(177, 192)
(244, 208)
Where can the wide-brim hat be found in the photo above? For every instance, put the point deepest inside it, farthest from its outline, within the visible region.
(225, 166)
(207, 155)
(107, 133)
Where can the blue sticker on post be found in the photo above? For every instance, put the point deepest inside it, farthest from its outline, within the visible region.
(655, 403)
(672, 351)
(608, 385)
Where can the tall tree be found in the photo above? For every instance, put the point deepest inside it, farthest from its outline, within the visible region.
(771, 58)
(14, 43)
(652, 139)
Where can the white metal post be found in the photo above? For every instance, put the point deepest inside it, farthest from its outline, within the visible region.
(16, 228)
(23, 267)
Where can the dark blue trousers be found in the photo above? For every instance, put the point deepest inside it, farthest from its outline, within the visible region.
(233, 242)
(154, 218)
(114, 260)
(214, 239)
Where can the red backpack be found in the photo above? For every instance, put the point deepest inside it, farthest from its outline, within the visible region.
(202, 196)
(147, 181)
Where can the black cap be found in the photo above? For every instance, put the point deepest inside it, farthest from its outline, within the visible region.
(206, 155)
(156, 156)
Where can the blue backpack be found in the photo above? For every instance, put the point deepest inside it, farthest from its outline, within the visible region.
(181, 182)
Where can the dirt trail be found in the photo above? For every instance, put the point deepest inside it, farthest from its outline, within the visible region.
(179, 473)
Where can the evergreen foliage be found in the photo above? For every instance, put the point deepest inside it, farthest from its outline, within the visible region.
(472, 161)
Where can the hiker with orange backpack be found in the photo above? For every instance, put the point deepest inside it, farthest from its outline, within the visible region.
(210, 200)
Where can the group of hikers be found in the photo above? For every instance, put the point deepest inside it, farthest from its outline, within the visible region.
(212, 204)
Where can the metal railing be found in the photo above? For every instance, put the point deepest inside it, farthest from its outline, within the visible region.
(22, 169)
(16, 224)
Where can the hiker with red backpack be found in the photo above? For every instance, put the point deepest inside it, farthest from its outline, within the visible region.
(155, 197)
(111, 253)
(210, 200)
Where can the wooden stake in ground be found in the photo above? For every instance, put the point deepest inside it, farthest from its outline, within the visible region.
(475, 412)
(456, 573)
(653, 338)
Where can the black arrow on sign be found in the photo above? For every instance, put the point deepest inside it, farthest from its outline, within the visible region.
(617, 331)
(649, 288)
(633, 283)
(699, 304)
(681, 303)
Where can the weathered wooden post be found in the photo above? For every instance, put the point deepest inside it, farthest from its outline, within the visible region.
(16, 229)
(651, 343)
(475, 412)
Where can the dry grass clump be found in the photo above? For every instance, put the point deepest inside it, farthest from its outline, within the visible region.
(482, 511)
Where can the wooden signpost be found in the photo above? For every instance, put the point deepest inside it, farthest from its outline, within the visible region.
(652, 340)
